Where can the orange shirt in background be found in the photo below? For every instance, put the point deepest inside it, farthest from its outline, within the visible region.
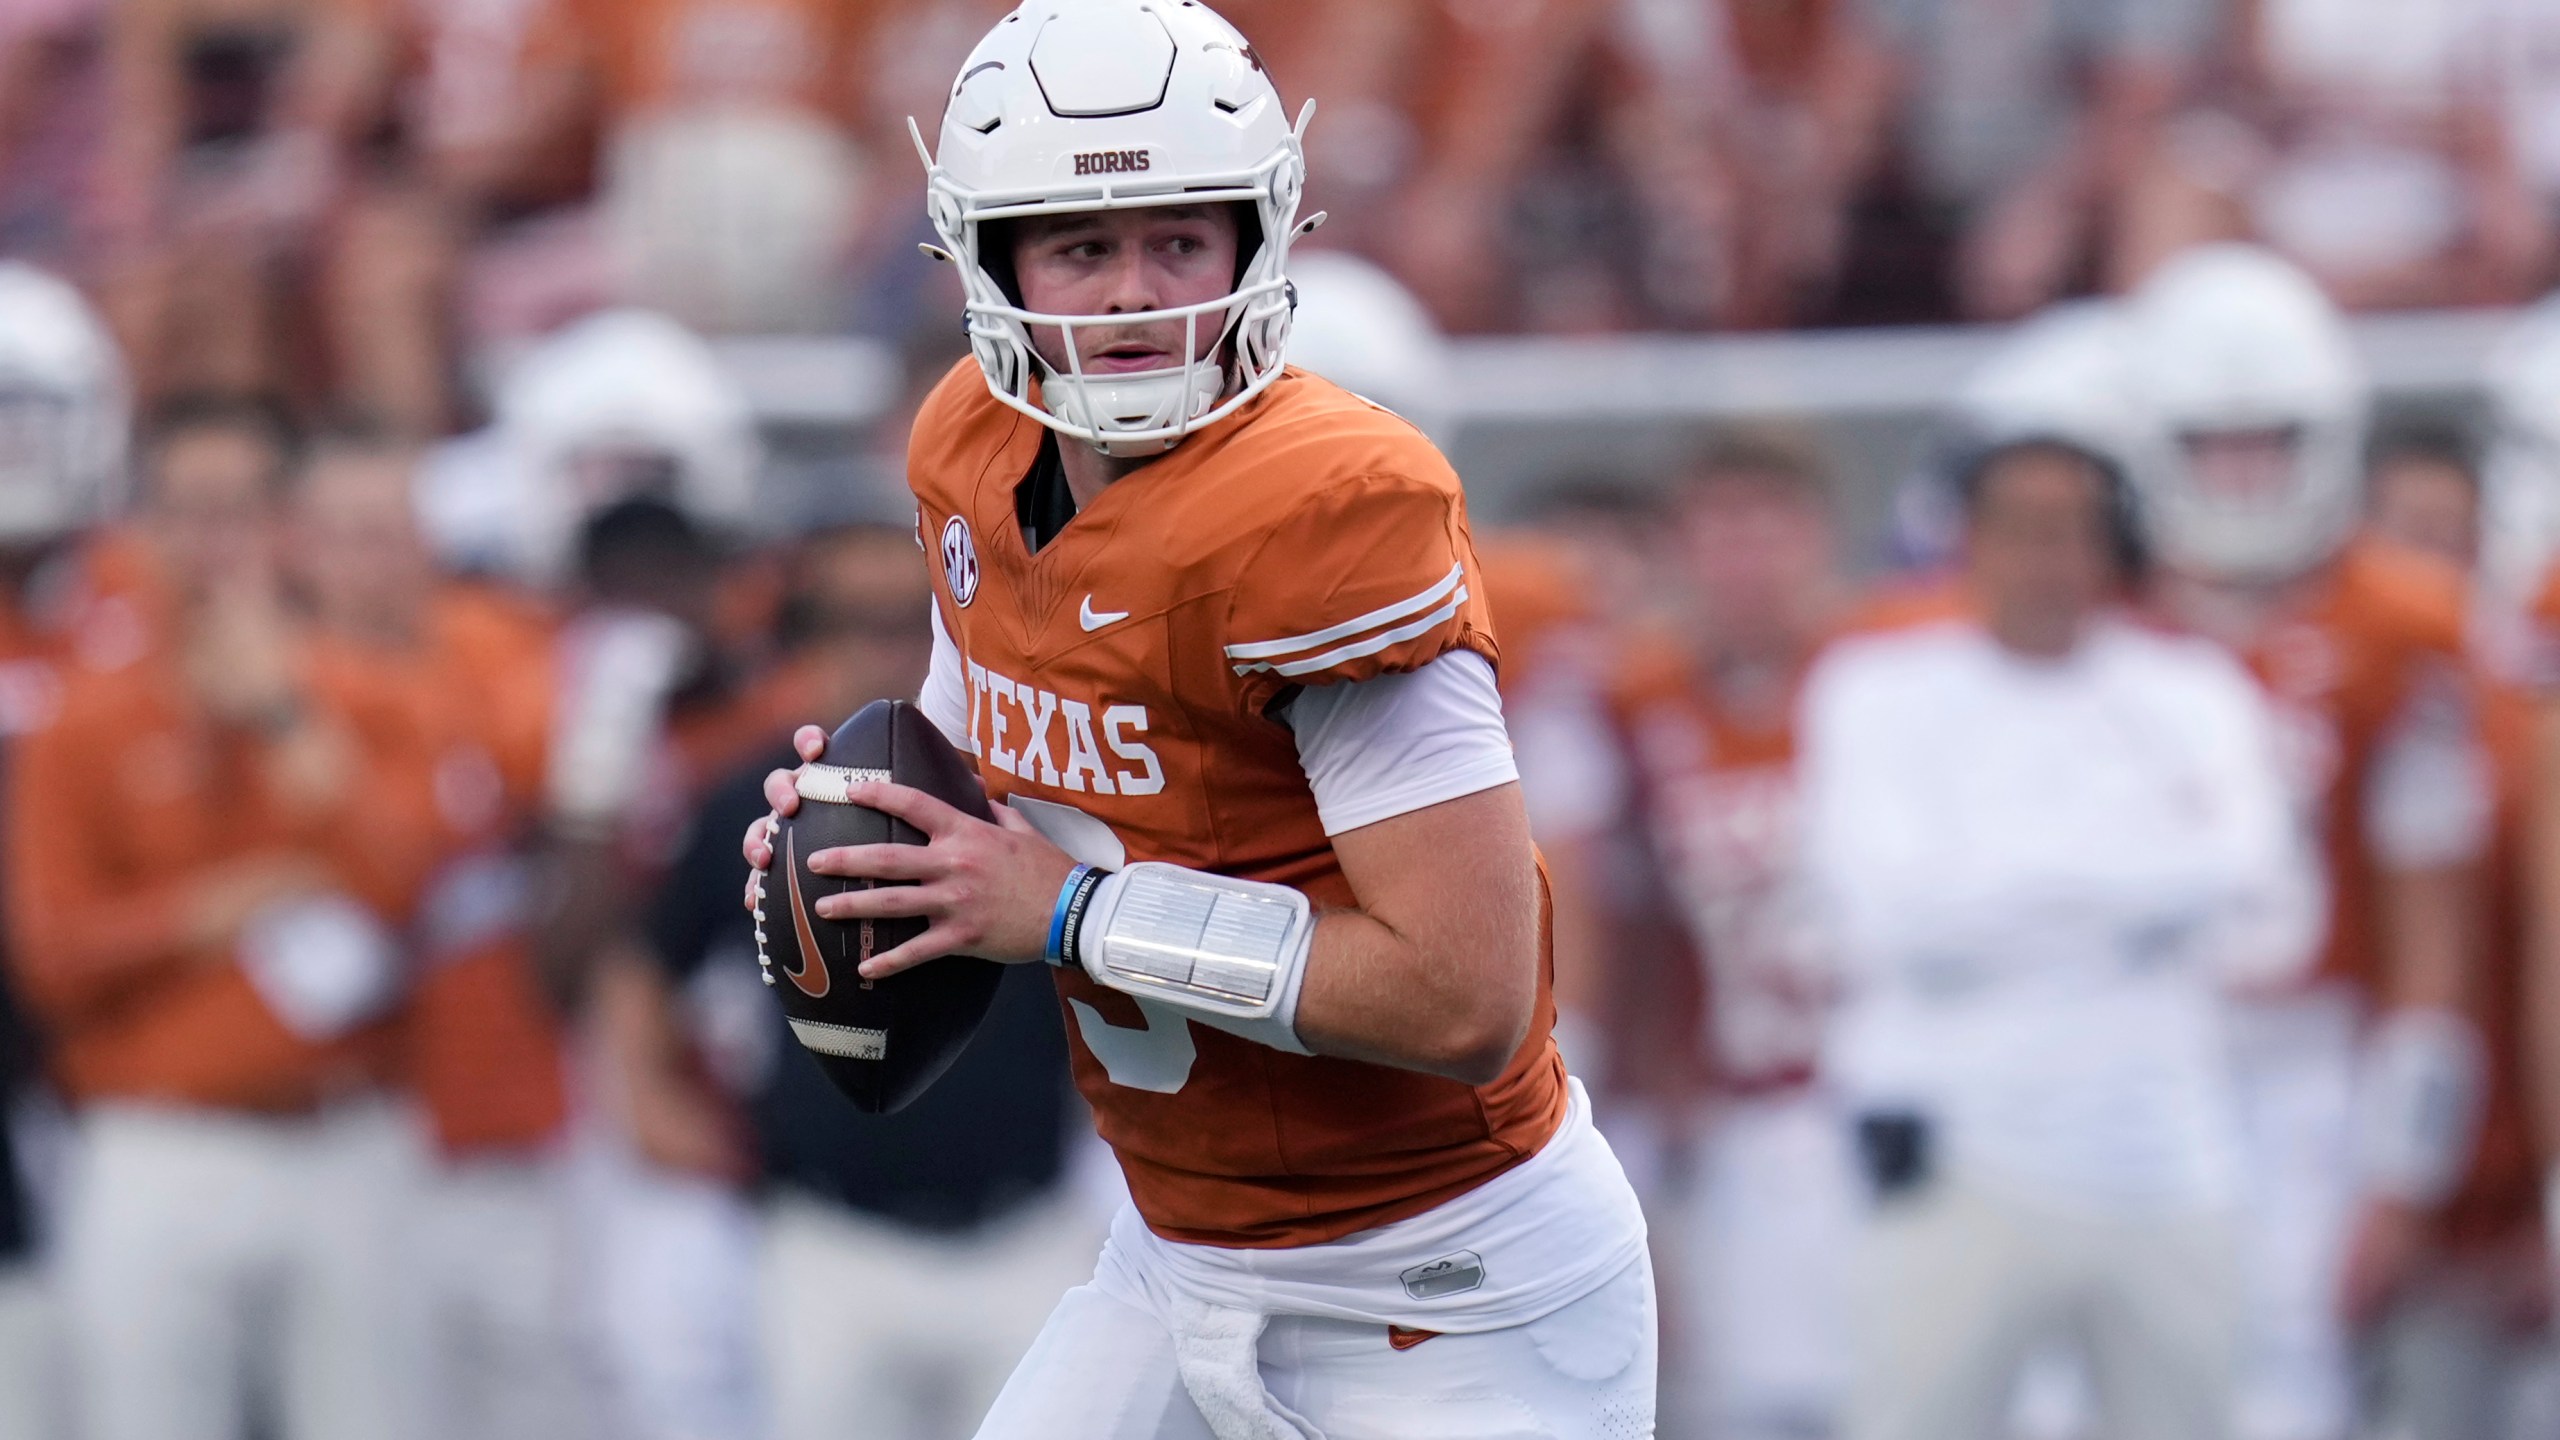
(122, 809)
(2384, 625)
(485, 1046)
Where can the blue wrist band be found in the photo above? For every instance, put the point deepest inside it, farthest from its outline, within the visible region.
(1066, 907)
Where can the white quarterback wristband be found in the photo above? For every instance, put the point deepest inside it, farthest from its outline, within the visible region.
(1231, 953)
(2424, 1080)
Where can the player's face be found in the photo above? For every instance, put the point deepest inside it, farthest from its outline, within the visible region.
(2428, 504)
(1759, 553)
(2037, 549)
(2244, 469)
(211, 508)
(355, 547)
(1122, 262)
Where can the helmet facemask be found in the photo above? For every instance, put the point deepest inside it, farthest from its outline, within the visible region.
(1234, 346)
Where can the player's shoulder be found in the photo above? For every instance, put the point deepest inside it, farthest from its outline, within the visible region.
(958, 428)
(2397, 596)
(1338, 534)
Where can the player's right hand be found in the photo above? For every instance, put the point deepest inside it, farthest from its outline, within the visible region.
(782, 793)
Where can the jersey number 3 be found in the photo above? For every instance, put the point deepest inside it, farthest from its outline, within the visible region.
(1156, 1058)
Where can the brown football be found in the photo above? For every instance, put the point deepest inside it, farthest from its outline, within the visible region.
(882, 1042)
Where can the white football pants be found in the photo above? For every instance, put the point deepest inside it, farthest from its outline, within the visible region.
(500, 1274)
(207, 1256)
(1762, 1266)
(2294, 1061)
(1961, 1287)
(1103, 1369)
(873, 1331)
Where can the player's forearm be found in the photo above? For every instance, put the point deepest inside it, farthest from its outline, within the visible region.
(1460, 1008)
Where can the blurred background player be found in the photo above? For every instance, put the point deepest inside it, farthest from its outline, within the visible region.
(69, 589)
(1703, 715)
(494, 1258)
(2460, 1350)
(959, 1220)
(215, 960)
(2362, 1086)
(2045, 839)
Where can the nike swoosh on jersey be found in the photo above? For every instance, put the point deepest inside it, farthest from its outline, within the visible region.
(1403, 1339)
(1092, 620)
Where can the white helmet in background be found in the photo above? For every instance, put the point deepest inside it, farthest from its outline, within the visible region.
(2062, 374)
(1360, 328)
(623, 405)
(1079, 105)
(64, 409)
(2254, 402)
(2520, 479)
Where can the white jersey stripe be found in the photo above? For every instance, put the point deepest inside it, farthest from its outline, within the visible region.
(1273, 649)
(1358, 648)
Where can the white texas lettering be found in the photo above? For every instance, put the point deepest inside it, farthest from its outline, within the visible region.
(1084, 756)
(1039, 708)
(992, 694)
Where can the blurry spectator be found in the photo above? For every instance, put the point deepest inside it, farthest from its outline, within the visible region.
(53, 80)
(230, 136)
(2371, 143)
(2024, 128)
(1705, 720)
(952, 1221)
(493, 1256)
(2362, 1084)
(728, 172)
(210, 956)
(2045, 839)
(1746, 134)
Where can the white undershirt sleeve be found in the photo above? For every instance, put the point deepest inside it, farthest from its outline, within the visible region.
(945, 698)
(1376, 749)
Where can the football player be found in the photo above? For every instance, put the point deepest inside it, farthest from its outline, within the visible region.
(1706, 722)
(2468, 1326)
(68, 588)
(2361, 1087)
(1214, 630)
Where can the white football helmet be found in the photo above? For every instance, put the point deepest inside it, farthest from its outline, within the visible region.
(2520, 479)
(1079, 105)
(1360, 328)
(625, 404)
(64, 409)
(2254, 404)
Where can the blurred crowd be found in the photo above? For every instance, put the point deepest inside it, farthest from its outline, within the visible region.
(386, 550)
(362, 204)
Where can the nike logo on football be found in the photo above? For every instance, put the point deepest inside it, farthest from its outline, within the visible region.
(811, 976)
(1093, 620)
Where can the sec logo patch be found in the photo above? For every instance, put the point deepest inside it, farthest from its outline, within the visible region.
(960, 561)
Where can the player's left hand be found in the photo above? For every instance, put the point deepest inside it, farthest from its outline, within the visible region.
(986, 890)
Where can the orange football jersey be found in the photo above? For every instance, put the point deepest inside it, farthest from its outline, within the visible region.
(1717, 799)
(484, 1052)
(1131, 669)
(2385, 624)
(2501, 1193)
